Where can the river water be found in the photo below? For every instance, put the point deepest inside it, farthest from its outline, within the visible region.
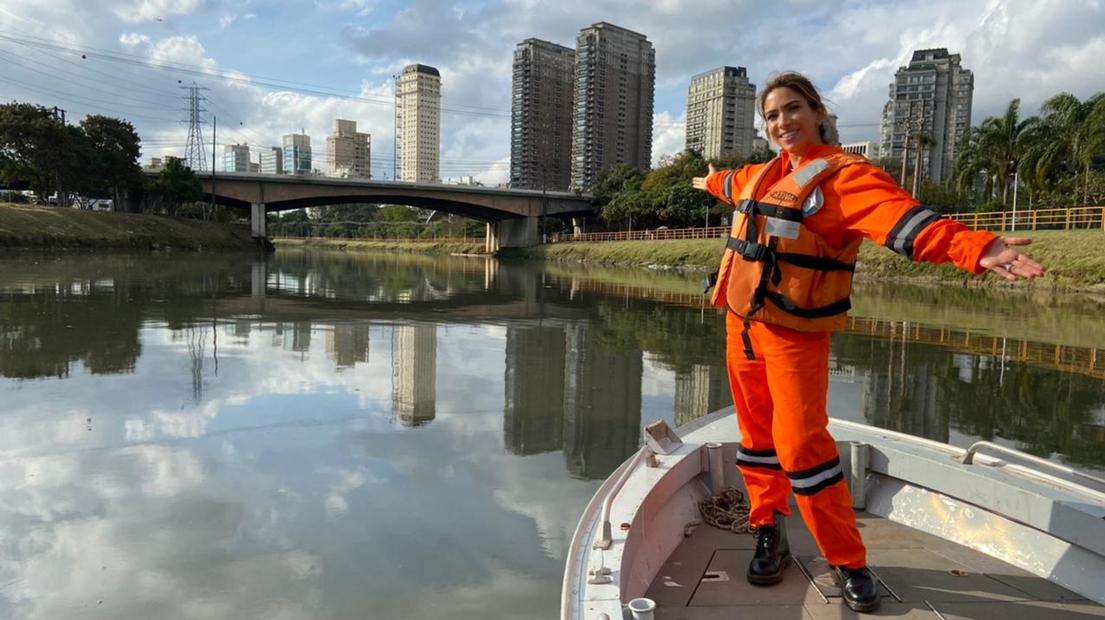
(359, 436)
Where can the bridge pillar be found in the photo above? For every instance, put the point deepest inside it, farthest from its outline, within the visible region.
(257, 220)
(513, 233)
(579, 226)
(491, 238)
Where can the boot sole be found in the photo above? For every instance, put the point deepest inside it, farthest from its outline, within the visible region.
(770, 580)
(863, 607)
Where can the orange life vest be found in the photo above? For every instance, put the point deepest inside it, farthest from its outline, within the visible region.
(777, 270)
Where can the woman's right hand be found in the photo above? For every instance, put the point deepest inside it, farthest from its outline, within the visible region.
(700, 182)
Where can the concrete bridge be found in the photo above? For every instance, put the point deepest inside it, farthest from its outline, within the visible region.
(511, 214)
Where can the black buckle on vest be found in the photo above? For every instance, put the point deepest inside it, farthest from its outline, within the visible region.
(749, 250)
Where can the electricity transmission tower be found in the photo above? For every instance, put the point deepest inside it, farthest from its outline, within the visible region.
(195, 156)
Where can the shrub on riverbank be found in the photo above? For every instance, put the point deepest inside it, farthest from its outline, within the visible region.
(53, 227)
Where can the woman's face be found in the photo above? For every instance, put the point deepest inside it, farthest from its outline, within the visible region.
(791, 122)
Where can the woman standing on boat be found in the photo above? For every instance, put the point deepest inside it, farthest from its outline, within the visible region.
(785, 277)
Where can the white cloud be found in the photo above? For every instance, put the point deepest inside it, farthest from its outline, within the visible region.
(668, 135)
(182, 51)
(133, 39)
(155, 10)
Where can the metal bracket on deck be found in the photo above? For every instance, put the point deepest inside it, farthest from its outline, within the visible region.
(661, 439)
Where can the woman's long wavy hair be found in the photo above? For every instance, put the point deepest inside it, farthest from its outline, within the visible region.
(803, 86)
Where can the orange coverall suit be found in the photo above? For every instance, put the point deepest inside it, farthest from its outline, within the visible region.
(780, 396)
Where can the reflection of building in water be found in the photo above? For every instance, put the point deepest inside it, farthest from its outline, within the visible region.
(414, 373)
(301, 336)
(242, 328)
(347, 344)
(903, 392)
(702, 390)
(533, 415)
(602, 402)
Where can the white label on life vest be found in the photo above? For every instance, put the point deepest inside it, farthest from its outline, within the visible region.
(778, 227)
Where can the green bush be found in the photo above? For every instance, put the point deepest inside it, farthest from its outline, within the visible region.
(991, 206)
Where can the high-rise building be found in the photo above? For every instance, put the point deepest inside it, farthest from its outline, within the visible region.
(418, 97)
(932, 96)
(236, 158)
(721, 109)
(615, 76)
(272, 160)
(541, 116)
(297, 154)
(348, 151)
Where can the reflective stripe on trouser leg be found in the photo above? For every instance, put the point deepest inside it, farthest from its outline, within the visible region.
(797, 369)
(764, 480)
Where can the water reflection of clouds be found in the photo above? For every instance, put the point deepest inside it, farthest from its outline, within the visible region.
(143, 531)
(216, 512)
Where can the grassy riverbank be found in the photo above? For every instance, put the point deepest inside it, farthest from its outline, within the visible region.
(24, 227)
(1074, 259)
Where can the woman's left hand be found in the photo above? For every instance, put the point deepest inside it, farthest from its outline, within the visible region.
(1008, 263)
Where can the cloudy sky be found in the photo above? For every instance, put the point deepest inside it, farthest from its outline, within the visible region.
(274, 68)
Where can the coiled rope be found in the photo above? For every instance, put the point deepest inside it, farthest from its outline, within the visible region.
(727, 510)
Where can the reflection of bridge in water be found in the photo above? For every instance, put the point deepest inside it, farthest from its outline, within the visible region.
(1081, 360)
(1088, 361)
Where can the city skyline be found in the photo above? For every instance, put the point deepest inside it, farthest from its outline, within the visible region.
(351, 50)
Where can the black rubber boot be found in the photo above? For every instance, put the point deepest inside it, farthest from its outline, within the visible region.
(858, 587)
(772, 554)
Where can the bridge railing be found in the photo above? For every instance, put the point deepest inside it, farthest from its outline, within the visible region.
(1043, 219)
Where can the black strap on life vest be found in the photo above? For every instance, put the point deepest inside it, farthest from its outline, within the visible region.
(753, 251)
(770, 270)
(751, 208)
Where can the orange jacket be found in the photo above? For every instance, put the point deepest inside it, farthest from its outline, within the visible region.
(862, 201)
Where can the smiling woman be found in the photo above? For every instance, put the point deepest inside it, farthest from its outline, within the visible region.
(786, 278)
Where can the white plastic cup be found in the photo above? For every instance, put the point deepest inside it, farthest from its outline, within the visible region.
(642, 608)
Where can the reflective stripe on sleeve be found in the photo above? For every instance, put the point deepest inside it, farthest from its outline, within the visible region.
(911, 224)
(765, 459)
(727, 186)
(810, 481)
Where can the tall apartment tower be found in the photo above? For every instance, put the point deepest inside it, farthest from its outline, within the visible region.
(418, 97)
(348, 151)
(236, 158)
(615, 76)
(541, 116)
(721, 109)
(932, 95)
(297, 153)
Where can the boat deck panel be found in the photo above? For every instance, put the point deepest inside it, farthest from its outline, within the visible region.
(922, 576)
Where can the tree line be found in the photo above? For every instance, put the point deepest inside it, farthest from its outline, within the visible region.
(1057, 159)
(96, 158)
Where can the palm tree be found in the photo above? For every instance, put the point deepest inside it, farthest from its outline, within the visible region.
(1001, 142)
(1070, 135)
(969, 163)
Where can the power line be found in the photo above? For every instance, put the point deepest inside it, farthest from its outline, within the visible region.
(324, 91)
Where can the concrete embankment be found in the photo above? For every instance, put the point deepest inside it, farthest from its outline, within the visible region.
(23, 227)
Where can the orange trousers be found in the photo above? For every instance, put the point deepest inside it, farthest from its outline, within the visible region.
(780, 398)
